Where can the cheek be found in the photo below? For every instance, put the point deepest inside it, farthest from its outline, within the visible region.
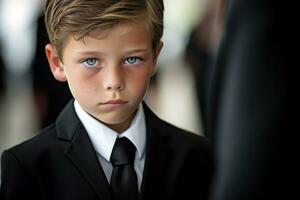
(81, 86)
(139, 83)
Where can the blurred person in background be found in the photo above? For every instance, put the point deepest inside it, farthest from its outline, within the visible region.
(50, 96)
(247, 100)
(200, 49)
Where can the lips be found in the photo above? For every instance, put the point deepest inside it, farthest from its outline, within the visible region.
(114, 102)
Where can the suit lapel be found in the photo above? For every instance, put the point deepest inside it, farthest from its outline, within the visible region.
(158, 158)
(81, 151)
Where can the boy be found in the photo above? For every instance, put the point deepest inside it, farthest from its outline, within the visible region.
(107, 51)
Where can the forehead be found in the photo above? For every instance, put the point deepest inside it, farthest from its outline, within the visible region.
(121, 29)
(120, 37)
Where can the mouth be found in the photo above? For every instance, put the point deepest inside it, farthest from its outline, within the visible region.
(114, 102)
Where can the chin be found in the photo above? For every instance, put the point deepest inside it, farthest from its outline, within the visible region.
(117, 119)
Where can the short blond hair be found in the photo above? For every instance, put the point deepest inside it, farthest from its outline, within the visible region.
(80, 18)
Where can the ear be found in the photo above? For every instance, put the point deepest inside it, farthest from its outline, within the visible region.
(56, 65)
(155, 58)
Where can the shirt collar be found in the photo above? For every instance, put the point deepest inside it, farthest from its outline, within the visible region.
(103, 138)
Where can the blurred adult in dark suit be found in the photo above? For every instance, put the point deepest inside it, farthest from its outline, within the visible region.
(200, 49)
(248, 102)
(50, 95)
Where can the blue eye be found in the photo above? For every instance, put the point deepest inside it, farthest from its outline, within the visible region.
(90, 62)
(132, 60)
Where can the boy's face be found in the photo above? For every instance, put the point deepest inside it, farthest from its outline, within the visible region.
(108, 76)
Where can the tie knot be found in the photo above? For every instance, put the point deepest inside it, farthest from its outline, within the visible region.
(123, 152)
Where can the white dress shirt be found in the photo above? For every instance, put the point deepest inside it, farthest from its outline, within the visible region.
(103, 139)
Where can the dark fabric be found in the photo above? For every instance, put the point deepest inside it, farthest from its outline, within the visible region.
(248, 102)
(60, 163)
(123, 179)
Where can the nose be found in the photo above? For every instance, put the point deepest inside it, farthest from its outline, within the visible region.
(113, 79)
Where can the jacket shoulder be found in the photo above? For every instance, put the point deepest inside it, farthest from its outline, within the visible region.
(43, 141)
(184, 138)
(173, 135)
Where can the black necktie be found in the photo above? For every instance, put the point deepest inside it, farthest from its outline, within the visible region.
(123, 178)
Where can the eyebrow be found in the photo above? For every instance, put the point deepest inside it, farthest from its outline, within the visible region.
(88, 52)
(137, 50)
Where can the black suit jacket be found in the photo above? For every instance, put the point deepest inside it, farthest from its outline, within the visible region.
(248, 101)
(61, 163)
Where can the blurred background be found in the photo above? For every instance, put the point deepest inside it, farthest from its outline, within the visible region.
(30, 98)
